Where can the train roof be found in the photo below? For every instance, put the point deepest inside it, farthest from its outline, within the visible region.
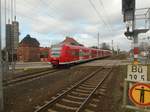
(76, 46)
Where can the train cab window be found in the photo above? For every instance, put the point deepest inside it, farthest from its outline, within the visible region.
(55, 52)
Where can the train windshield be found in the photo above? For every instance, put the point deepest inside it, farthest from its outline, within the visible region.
(55, 52)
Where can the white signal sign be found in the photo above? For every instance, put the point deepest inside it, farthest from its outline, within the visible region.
(137, 73)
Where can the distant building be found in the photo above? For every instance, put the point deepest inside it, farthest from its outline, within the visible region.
(8, 37)
(12, 40)
(15, 34)
(71, 41)
(28, 50)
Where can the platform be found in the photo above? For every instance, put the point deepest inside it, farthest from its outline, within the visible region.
(106, 63)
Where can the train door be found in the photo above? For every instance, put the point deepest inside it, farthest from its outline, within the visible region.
(80, 54)
(90, 54)
(97, 55)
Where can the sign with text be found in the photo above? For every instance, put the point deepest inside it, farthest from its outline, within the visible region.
(137, 73)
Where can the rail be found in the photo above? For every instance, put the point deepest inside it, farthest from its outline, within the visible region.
(48, 104)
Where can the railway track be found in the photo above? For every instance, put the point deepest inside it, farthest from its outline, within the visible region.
(78, 96)
(25, 77)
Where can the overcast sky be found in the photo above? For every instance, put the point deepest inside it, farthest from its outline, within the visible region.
(51, 20)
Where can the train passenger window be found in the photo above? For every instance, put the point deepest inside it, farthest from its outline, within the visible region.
(81, 53)
(72, 53)
(76, 53)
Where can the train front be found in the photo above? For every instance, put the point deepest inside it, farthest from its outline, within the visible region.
(55, 55)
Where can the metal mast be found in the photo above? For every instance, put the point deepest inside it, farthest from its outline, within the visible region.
(1, 70)
(98, 41)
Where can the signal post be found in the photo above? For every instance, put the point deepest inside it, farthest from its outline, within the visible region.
(137, 83)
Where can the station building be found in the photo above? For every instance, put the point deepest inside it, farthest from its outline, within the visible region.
(28, 50)
(70, 41)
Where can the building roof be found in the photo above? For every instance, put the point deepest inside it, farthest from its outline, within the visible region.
(29, 41)
(71, 41)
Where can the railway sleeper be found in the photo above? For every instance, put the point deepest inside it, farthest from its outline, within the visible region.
(87, 85)
(91, 106)
(66, 107)
(90, 84)
(50, 110)
(79, 94)
(95, 100)
(76, 97)
(86, 88)
(88, 110)
(83, 91)
(71, 101)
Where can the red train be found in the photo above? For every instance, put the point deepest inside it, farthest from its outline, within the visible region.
(67, 54)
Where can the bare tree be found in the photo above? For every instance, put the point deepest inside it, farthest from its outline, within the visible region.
(105, 46)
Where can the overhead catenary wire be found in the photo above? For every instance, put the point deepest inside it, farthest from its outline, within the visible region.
(8, 10)
(35, 11)
(105, 12)
(48, 14)
(50, 7)
(99, 15)
(15, 15)
(5, 12)
(12, 10)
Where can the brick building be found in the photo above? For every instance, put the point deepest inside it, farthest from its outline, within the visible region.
(28, 50)
(71, 41)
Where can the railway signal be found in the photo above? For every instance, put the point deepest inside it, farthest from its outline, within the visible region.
(128, 9)
(137, 85)
(129, 17)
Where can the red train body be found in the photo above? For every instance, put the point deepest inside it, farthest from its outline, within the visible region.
(68, 54)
